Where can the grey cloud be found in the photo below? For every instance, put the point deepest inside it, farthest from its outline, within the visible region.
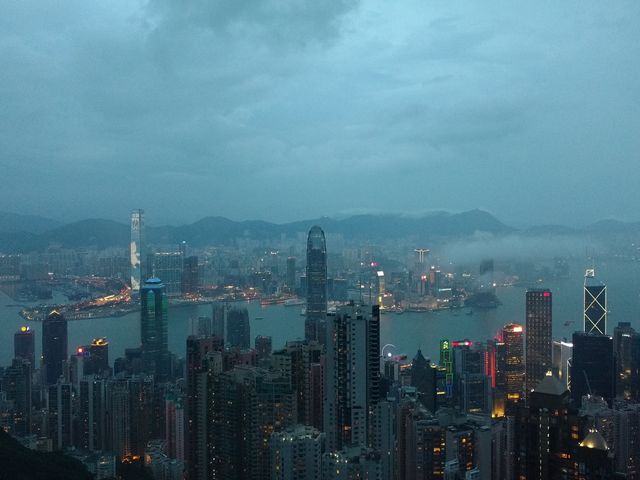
(320, 107)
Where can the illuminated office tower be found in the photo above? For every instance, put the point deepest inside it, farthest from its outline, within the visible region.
(137, 254)
(513, 365)
(315, 321)
(352, 375)
(98, 356)
(595, 304)
(537, 337)
(153, 329)
(54, 346)
(24, 345)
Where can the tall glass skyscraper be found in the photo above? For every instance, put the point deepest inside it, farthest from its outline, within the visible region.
(153, 329)
(136, 254)
(592, 367)
(595, 304)
(54, 346)
(537, 337)
(314, 325)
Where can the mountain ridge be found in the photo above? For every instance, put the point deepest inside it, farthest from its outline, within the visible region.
(217, 230)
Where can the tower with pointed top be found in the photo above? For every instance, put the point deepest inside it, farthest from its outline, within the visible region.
(314, 326)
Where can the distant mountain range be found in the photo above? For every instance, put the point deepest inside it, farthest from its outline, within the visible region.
(23, 234)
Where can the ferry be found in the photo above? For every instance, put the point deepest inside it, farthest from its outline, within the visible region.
(293, 302)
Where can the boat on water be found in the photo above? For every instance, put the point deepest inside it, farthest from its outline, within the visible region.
(259, 318)
(470, 312)
(273, 300)
(292, 302)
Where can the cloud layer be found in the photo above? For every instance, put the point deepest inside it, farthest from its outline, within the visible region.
(288, 109)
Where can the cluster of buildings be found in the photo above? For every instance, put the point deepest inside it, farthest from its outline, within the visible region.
(334, 406)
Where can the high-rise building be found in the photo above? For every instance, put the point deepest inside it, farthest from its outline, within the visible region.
(291, 273)
(153, 329)
(424, 379)
(24, 345)
(314, 326)
(296, 361)
(238, 328)
(537, 337)
(98, 356)
(626, 347)
(199, 370)
(592, 367)
(54, 346)
(595, 304)
(168, 266)
(218, 319)
(249, 405)
(60, 414)
(352, 375)
(561, 359)
(263, 346)
(175, 426)
(547, 433)
(513, 364)
(296, 453)
(137, 254)
(118, 421)
(473, 387)
(190, 275)
(15, 384)
(91, 414)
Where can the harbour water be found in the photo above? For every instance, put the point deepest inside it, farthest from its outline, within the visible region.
(407, 332)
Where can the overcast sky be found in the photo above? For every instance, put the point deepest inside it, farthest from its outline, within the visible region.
(291, 109)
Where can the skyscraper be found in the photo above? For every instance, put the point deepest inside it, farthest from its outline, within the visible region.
(153, 329)
(99, 356)
(136, 249)
(24, 345)
(16, 387)
(537, 337)
(169, 267)
(54, 346)
(352, 375)
(626, 347)
(238, 328)
(592, 367)
(314, 325)
(513, 365)
(218, 319)
(595, 304)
